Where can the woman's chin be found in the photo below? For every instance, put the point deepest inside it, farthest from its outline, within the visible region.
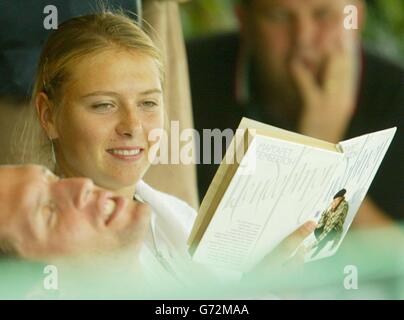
(117, 183)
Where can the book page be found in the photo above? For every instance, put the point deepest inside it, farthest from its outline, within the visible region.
(362, 158)
(234, 154)
(277, 185)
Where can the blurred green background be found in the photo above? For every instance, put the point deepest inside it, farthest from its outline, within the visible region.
(384, 29)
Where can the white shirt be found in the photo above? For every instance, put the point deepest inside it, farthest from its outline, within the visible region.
(164, 256)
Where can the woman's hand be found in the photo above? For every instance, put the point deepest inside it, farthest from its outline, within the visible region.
(279, 259)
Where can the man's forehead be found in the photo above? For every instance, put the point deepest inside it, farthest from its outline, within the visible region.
(12, 175)
(19, 189)
(39, 169)
(30, 185)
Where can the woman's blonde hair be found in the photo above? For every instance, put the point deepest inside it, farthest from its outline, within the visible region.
(74, 39)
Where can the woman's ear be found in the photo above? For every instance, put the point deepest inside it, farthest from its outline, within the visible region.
(45, 111)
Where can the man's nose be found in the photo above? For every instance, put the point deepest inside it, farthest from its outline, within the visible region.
(304, 30)
(82, 189)
(128, 124)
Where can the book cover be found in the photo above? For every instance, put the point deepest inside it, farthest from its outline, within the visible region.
(281, 180)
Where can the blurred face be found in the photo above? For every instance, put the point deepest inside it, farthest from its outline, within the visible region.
(110, 103)
(42, 215)
(280, 30)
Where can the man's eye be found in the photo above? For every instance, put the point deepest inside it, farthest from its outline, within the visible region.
(86, 195)
(52, 220)
(278, 16)
(322, 14)
(103, 107)
(50, 212)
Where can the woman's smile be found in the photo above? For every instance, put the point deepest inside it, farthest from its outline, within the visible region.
(128, 154)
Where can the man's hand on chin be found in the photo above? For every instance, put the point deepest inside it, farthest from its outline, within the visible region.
(329, 99)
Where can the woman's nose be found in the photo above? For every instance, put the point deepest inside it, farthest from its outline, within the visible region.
(129, 123)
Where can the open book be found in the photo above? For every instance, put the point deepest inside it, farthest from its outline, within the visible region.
(271, 181)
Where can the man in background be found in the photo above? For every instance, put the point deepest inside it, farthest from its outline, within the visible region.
(293, 64)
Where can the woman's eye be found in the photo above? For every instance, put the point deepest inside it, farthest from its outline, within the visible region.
(149, 104)
(103, 107)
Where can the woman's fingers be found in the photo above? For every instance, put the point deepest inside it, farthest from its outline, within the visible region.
(277, 259)
(292, 242)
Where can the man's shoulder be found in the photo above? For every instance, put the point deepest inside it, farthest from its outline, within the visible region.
(212, 71)
(376, 63)
(382, 83)
(212, 56)
(216, 44)
(381, 106)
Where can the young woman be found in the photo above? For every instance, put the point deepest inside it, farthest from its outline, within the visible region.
(98, 98)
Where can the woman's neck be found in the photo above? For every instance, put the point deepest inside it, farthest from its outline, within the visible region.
(126, 192)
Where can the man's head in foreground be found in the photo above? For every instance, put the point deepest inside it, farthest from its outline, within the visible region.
(43, 216)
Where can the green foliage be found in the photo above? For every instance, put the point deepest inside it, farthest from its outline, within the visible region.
(201, 17)
(384, 29)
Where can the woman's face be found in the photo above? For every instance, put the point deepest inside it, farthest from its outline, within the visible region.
(110, 103)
